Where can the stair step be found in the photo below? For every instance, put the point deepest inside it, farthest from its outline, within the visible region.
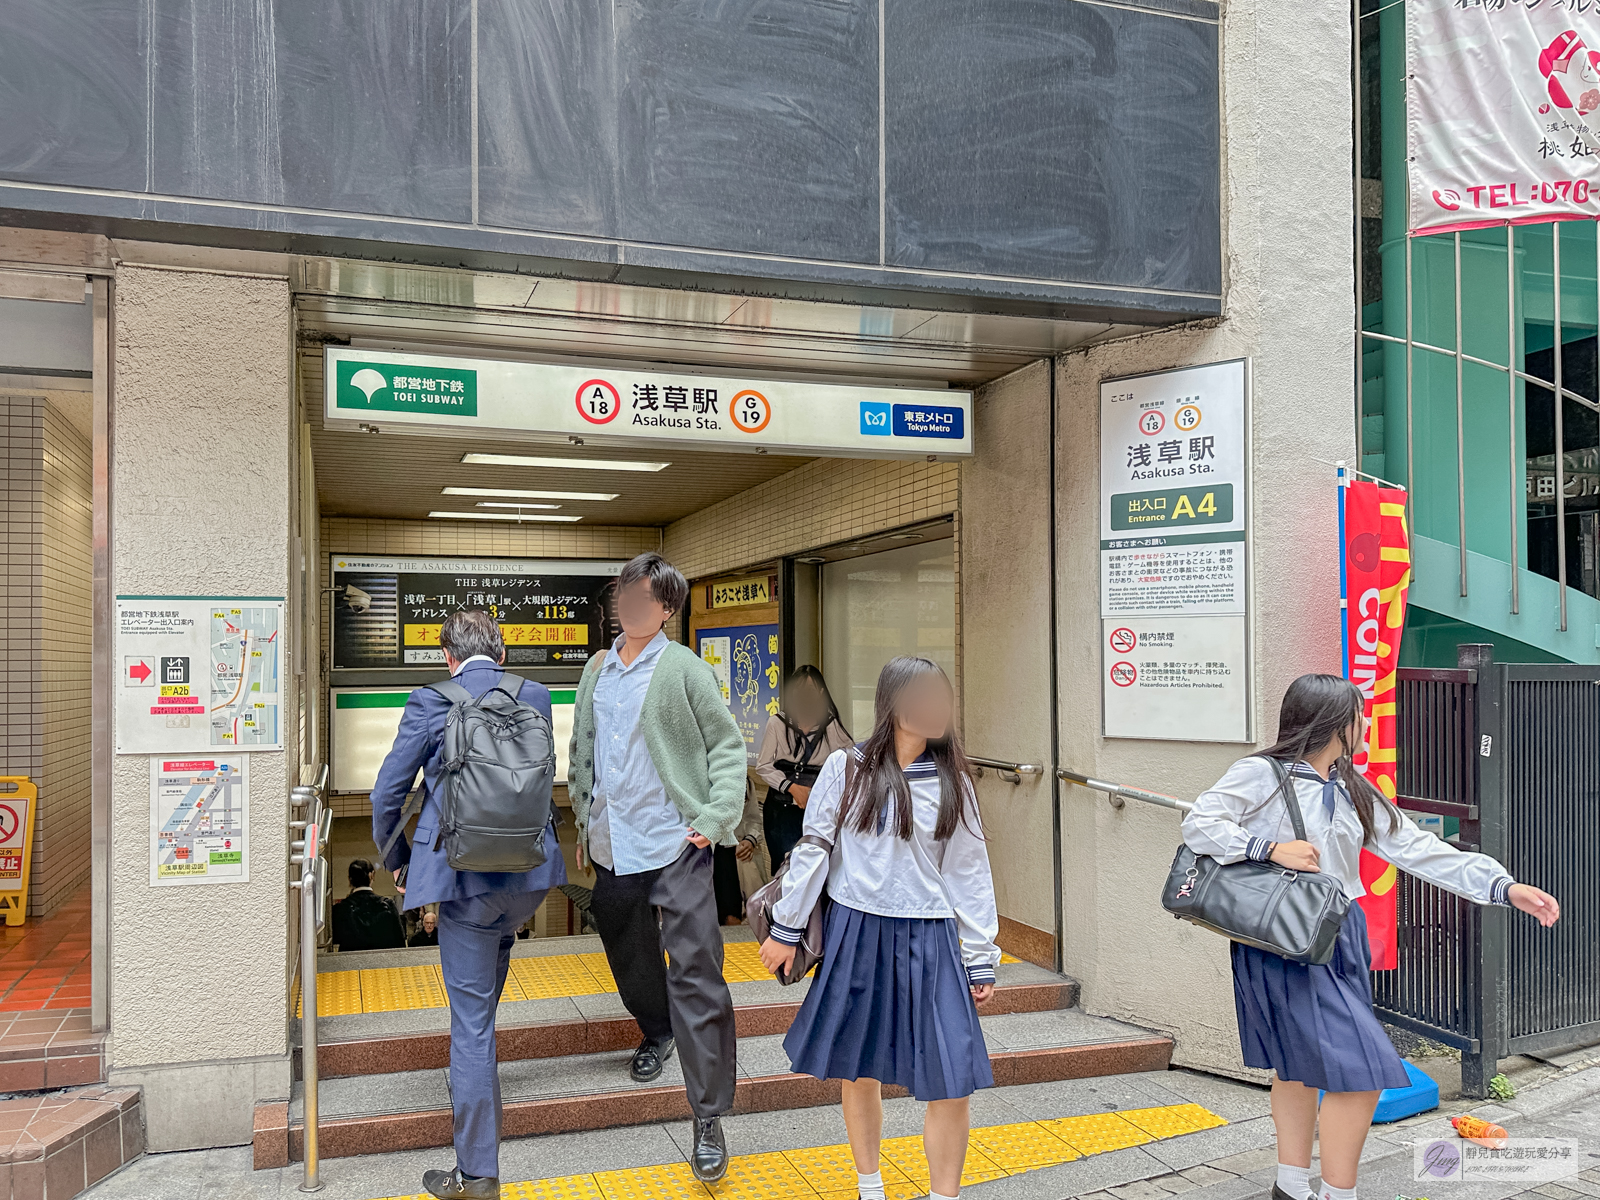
(411, 1109)
(382, 1043)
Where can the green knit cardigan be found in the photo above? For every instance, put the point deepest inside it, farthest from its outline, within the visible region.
(693, 740)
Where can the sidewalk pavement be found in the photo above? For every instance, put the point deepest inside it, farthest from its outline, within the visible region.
(1230, 1162)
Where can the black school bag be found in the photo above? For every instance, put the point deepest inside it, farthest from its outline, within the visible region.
(498, 766)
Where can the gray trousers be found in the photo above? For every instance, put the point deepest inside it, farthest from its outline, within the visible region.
(674, 909)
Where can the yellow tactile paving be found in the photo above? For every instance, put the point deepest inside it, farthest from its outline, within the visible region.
(1172, 1120)
(1097, 1133)
(1022, 1146)
(398, 989)
(828, 1172)
(672, 1182)
(551, 975)
(831, 1169)
(393, 989)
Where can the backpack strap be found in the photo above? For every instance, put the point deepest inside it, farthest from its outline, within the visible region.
(452, 691)
(511, 684)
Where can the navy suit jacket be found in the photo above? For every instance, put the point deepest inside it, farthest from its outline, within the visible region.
(419, 743)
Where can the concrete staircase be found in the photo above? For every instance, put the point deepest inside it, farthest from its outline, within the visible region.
(564, 1059)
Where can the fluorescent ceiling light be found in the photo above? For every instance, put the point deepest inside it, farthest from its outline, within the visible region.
(581, 464)
(521, 493)
(497, 516)
(513, 504)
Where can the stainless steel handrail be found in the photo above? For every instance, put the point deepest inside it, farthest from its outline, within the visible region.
(1118, 794)
(312, 885)
(1009, 771)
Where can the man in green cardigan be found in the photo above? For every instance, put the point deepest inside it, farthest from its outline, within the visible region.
(657, 779)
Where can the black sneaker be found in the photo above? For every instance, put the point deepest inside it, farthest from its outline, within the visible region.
(649, 1058)
(452, 1185)
(1279, 1194)
(710, 1158)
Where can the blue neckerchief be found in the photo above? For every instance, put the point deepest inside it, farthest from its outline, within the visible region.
(1330, 785)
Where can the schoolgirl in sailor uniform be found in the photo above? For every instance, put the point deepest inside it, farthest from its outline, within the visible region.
(1314, 1025)
(909, 949)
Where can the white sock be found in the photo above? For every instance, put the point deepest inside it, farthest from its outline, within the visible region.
(870, 1187)
(935, 1196)
(1333, 1193)
(1294, 1182)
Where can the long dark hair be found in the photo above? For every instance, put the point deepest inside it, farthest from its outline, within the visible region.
(1316, 709)
(878, 779)
(810, 673)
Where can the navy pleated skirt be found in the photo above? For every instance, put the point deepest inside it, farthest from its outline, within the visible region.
(1315, 1025)
(890, 1002)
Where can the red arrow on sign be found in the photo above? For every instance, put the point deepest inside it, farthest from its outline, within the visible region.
(140, 671)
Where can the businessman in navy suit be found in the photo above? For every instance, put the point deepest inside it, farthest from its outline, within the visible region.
(479, 912)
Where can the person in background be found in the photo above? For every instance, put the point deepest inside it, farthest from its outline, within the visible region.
(1313, 1025)
(657, 778)
(732, 877)
(364, 920)
(427, 933)
(796, 742)
(479, 911)
(908, 943)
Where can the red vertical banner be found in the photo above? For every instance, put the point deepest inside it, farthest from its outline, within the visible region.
(1376, 576)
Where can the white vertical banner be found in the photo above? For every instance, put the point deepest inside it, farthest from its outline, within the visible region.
(1174, 520)
(1502, 111)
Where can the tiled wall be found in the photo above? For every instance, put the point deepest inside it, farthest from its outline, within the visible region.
(46, 598)
(22, 447)
(61, 833)
(826, 501)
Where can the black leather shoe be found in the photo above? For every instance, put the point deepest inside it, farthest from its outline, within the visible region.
(450, 1185)
(649, 1058)
(1279, 1194)
(710, 1158)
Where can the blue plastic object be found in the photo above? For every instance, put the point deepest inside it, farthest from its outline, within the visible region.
(1395, 1104)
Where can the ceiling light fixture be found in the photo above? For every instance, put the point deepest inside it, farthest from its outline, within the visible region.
(483, 516)
(514, 504)
(524, 494)
(557, 464)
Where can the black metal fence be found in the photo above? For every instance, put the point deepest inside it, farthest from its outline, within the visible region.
(1512, 752)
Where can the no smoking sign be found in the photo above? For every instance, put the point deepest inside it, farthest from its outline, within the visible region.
(1123, 640)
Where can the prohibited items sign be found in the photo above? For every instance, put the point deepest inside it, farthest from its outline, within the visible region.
(1124, 674)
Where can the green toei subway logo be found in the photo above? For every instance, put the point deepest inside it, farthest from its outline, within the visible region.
(384, 387)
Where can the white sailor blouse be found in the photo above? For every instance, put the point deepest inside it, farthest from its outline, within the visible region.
(891, 876)
(1234, 820)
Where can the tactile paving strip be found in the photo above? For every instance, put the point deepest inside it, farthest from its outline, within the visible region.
(398, 989)
(338, 994)
(600, 969)
(828, 1172)
(1097, 1133)
(547, 976)
(1022, 1146)
(672, 1182)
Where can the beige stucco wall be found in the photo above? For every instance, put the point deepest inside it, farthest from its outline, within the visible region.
(1290, 309)
(1005, 639)
(201, 492)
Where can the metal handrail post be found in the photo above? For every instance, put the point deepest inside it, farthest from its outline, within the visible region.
(308, 1009)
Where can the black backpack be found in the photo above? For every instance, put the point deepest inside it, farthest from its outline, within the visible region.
(499, 763)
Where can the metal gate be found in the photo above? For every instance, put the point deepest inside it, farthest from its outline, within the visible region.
(1511, 751)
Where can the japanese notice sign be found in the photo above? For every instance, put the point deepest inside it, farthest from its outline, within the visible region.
(1501, 102)
(199, 820)
(1173, 518)
(198, 673)
(740, 593)
(19, 798)
(744, 659)
(387, 612)
(665, 404)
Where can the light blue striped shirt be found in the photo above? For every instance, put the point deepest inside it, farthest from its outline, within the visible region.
(633, 825)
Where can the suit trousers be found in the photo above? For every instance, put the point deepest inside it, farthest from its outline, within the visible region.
(475, 940)
(673, 908)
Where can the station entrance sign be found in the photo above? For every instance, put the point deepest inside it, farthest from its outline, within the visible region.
(1174, 459)
(660, 405)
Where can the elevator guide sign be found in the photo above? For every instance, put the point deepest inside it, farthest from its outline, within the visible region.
(667, 405)
(1173, 517)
